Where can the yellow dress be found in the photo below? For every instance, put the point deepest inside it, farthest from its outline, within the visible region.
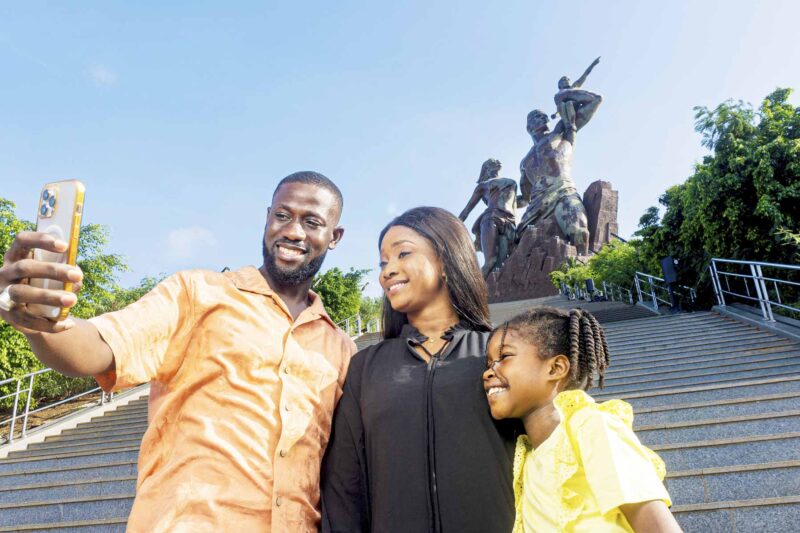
(579, 476)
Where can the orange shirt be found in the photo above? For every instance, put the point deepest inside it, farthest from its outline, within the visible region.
(240, 406)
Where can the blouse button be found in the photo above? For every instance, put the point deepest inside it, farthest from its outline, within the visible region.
(278, 501)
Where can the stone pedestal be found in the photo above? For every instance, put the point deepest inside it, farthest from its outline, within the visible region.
(526, 273)
(601, 210)
(543, 248)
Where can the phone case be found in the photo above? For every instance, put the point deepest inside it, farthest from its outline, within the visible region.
(59, 214)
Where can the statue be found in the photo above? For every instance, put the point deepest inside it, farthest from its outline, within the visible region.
(546, 171)
(495, 230)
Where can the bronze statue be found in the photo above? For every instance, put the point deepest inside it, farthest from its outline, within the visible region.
(546, 171)
(495, 230)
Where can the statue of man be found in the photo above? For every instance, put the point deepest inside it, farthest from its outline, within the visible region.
(546, 171)
(495, 230)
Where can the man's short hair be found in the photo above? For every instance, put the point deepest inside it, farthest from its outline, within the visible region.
(314, 178)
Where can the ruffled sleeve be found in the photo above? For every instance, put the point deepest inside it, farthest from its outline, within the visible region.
(520, 454)
(618, 468)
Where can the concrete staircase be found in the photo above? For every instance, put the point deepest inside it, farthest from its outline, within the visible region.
(717, 398)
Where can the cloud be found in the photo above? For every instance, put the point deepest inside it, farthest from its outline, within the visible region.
(185, 243)
(102, 76)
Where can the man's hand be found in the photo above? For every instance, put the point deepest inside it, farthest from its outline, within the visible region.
(18, 267)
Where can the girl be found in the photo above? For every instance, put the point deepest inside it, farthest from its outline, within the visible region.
(414, 448)
(579, 467)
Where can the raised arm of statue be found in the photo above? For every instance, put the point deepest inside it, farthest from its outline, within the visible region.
(579, 82)
(589, 102)
(476, 197)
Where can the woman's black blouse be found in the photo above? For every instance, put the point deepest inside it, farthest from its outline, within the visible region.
(414, 447)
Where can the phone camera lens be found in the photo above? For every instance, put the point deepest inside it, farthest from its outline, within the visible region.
(43, 210)
(46, 194)
(52, 201)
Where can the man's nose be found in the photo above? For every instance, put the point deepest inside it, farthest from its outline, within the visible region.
(294, 231)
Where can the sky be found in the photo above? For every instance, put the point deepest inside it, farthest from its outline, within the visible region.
(181, 117)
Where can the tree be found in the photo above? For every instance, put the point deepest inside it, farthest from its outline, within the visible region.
(740, 196)
(340, 292)
(100, 293)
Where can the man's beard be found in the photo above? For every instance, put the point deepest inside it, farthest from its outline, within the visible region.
(290, 278)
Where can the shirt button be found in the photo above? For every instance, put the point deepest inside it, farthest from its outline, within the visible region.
(278, 501)
(286, 408)
(283, 453)
(286, 370)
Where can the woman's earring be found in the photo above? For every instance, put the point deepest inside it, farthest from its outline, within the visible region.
(444, 277)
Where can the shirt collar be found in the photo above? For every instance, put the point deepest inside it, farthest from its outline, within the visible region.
(250, 279)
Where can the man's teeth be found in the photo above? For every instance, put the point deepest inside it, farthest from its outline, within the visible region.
(396, 286)
(495, 390)
(290, 251)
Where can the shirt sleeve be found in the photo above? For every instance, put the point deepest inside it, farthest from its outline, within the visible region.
(345, 496)
(148, 338)
(619, 469)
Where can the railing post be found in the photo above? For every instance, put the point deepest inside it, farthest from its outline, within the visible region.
(717, 286)
(653, 292)
(27, 406)
(358, 324)
(754, 272)
(764, 293)
(638, 287)
(14, 413)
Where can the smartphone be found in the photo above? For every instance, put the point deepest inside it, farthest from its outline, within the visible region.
(59, 213)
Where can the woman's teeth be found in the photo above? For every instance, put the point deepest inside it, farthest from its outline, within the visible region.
(495, 390)
(396, 286)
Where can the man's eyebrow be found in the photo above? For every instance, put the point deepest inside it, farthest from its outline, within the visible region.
(306, 213)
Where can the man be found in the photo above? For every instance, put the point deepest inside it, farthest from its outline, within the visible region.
(496, 228)
(546, 171)
(245, 369)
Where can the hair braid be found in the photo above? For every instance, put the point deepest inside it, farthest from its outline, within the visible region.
(588, 359)
(601, 348)
(574, 343)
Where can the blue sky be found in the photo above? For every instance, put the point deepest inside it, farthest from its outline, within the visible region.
(181, 117)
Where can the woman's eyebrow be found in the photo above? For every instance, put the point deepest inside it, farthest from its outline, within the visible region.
(398, 243)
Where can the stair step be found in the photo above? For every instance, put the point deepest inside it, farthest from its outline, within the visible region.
(63, 490)
(707, 360)
(697, 346)
(718, 331)
(129, 453)
(717, 409)
(764, 516)
(84, 429)
(86, 472)
(88, 437)
(708, 392)
(69, 509)
(679, 353)
(104, 525)
(108, 443)
(727, 452)
(721, 428)
(705, 379)
(792, 362)
(740, 482)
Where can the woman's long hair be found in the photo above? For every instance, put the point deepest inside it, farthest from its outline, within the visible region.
(464, 280)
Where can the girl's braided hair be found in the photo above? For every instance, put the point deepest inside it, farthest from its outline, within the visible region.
(576, 334)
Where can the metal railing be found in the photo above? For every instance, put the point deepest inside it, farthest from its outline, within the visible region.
(615, 293)
(652, 290)
(752, 285)
(355, 325)
(24, 387)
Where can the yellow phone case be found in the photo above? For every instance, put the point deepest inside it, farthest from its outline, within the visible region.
(59, 214)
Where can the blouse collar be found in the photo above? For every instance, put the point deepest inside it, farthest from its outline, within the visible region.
(412, 334)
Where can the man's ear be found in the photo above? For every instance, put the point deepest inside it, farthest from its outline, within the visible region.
(338, 233)
(268, 211)
(559, 367)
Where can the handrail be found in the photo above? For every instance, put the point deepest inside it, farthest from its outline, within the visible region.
(23, 413)
(761, 290)
(656, 290)
(354, 325)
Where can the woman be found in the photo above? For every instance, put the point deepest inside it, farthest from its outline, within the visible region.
(414, 447)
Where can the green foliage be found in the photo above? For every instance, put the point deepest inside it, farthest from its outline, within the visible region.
(792, 240)
(340, 292)
(739, 197)
(371, 308)
(617, 262)
(100, 293)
